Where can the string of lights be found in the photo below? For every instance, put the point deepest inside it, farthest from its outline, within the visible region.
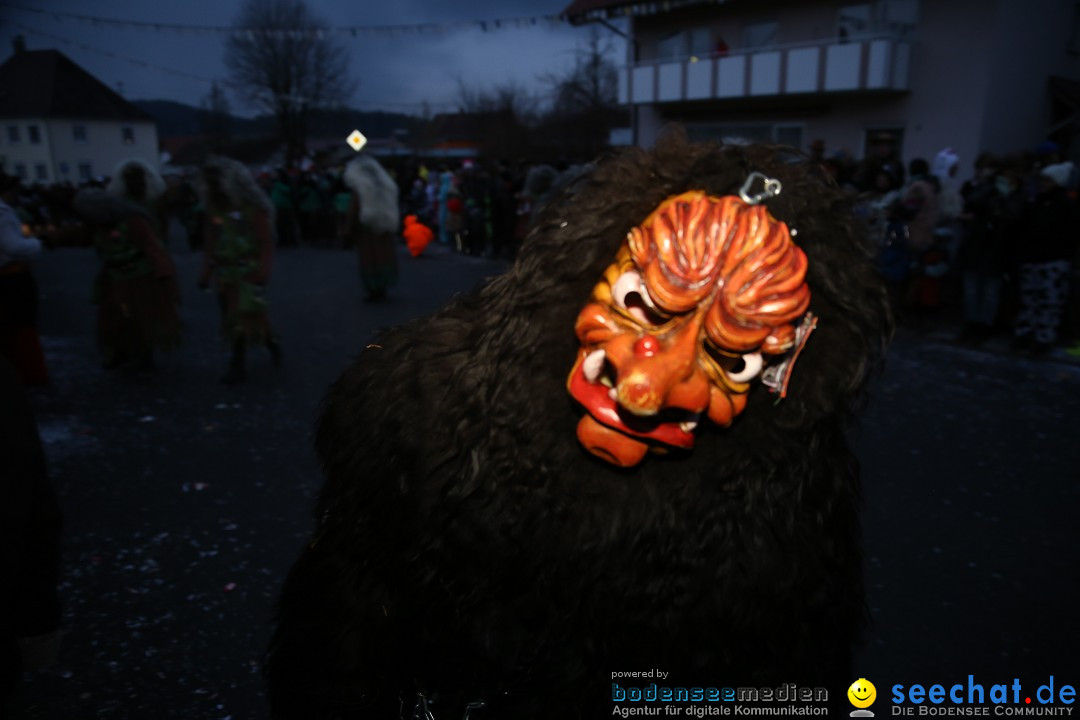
(440, 28)
(245, 92)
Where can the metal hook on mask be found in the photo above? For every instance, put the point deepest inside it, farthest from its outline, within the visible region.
(772, 189)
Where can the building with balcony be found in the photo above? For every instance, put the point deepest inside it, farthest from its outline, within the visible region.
(58, 122)
(919, 75)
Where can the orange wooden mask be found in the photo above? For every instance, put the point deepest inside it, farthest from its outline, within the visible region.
(701, 297)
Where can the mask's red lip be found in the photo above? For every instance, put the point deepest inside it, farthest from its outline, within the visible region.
(594, 397)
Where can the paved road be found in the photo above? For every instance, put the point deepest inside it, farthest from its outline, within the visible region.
(185, 501)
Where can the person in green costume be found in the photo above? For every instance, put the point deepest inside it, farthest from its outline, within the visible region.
(136, 289)
(238, 255)
(137, 181)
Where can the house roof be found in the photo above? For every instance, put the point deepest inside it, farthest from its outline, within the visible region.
(583, 11)
(46, 83)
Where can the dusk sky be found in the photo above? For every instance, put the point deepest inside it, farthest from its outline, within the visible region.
(392, 73)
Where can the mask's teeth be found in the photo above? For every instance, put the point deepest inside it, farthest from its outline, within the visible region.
(594, 363)
(613, 394)
(688, 426)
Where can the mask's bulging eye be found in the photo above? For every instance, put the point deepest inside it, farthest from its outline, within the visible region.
(746, 369)
(630, 294)
(738, 368)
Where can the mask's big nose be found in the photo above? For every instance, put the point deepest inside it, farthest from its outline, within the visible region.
(655, 369)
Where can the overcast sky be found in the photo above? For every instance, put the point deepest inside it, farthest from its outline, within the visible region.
(393, 73)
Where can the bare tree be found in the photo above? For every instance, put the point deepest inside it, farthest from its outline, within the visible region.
(584, 101)
(215, 119)
(504, 116)
(287, 63)
(509, 97)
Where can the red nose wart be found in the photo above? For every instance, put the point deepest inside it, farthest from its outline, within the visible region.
(647, 346)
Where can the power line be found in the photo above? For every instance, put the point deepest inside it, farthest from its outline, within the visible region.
(240, 90)
(489, 25)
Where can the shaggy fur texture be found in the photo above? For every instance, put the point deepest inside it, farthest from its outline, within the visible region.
(102, 207)
(378, 194)
(155, 184)
(467, 546)
(238, 184)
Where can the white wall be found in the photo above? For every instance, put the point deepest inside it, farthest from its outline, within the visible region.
(1030, 43)
(25, 153)
(104, 147)
(949, 76)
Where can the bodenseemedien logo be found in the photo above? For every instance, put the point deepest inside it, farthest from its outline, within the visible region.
(862, 695)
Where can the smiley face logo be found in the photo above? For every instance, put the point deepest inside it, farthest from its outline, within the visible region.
(862, 693)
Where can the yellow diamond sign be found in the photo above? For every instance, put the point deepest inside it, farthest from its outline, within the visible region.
(356, 140)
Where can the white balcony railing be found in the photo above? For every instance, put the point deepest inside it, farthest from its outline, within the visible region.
(867, 64)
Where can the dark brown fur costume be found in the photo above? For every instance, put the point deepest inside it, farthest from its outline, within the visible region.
(467, 546)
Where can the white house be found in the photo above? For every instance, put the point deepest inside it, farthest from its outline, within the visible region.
(973, 75)
(58, 122)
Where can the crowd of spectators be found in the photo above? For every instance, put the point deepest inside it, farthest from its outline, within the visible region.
(1000, 247)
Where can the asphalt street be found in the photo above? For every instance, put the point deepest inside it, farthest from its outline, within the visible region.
(185, 501)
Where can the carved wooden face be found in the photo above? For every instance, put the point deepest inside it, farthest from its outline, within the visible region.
(697, 299)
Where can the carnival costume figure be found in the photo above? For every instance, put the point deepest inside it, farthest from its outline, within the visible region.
(372, 224)
(136, 289)
(628, 452)
(137, 181)
(237, 257)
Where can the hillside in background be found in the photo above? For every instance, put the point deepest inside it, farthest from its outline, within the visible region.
(179, 119)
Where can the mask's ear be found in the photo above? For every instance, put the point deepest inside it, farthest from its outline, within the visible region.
(776, 377)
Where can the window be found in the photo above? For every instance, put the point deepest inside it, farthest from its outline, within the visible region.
(853, 20)
(85, 172)
(64, 168)
(41, 172)
(34, 133)
(13, 134)
(759, 35)
(20, 171)
(700, 42)
(128, 135)
(671, 45)
(78, 132)
(684, 43)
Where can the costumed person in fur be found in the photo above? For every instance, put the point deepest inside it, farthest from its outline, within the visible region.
(136, 290)
(137, 181)
(238, 256)
(372, 224)
(627, 452)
